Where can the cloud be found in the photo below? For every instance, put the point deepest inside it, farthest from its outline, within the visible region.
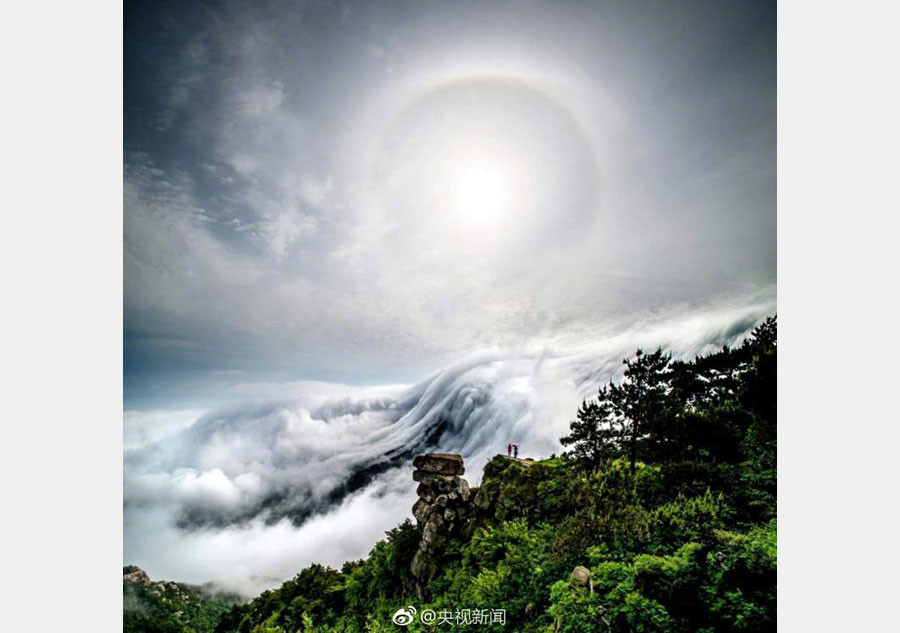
(254, 556)
(260, 101)
(289, 226)
(146, 427)
(174, 264)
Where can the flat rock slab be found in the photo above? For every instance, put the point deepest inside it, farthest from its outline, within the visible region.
(440, 464)
(443, 483)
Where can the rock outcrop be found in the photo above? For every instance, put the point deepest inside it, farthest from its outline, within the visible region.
(441, 509)
(509, 489)
(447, 508)
(132, 573)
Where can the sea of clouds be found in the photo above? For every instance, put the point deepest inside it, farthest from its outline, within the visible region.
(246, 496)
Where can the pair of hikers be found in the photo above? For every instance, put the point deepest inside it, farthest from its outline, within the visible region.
(512, 450)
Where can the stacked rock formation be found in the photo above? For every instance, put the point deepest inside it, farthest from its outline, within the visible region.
(442, 507)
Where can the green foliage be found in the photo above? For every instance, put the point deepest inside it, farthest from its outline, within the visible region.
(593, 435)
(641, 404)
(317, 593)
(689, 519)
(507, 565)
(574, 610)
(741, 593)
(268, 626)
(606, 511)
(627, 417)
(385, 575)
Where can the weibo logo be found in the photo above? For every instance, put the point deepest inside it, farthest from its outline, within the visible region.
(404, 617)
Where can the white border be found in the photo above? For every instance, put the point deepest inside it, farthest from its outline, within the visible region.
(61, 262)
(839, 104)
(60, 453)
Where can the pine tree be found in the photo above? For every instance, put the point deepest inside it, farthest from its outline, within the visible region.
(594, 435)
(640, 402)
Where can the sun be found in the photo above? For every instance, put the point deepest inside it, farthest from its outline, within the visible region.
(482, 193)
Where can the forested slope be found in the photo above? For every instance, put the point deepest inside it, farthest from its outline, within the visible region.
(661, 516)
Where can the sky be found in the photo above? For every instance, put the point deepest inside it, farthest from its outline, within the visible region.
(364, 193)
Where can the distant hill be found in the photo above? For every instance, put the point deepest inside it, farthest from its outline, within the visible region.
(164, 606)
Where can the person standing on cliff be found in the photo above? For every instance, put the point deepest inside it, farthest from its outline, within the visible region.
(508, 450)
(516, 451)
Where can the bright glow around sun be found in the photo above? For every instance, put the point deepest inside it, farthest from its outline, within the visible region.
(482, 171)
(482, 193)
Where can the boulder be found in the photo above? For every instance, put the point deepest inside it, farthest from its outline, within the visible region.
(580, 577)
(432, 533)
(463, 489)
(425, 492)
(482, 500)
(421, 510)
(440, 464)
